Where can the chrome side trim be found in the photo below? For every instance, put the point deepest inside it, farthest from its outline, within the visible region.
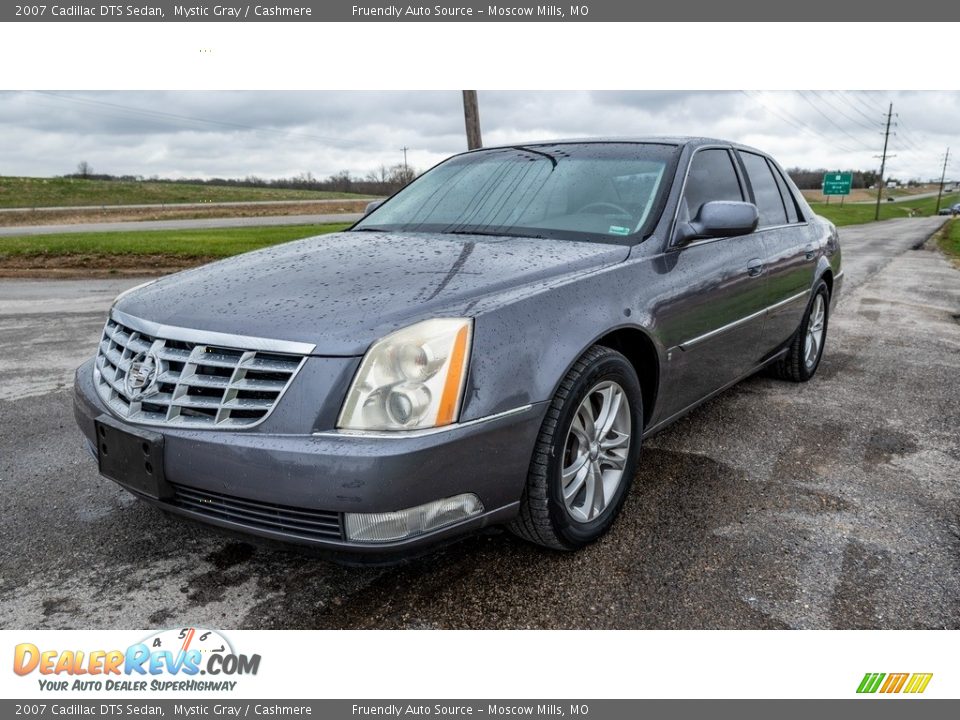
(838, 275)
(404, 434)
(758, 231)
(787, 301)
(736, 323)
(204, 337)
(717, 331)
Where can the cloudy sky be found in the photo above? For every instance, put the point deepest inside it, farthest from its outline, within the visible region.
(282, 134)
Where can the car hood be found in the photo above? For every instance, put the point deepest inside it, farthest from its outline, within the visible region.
(343, 291)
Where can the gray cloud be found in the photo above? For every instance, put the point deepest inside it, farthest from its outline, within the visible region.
(275, 134)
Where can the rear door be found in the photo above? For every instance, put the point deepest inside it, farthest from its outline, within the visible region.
(711, 319)
(790, 253)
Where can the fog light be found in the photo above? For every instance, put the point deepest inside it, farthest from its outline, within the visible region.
(384, 527)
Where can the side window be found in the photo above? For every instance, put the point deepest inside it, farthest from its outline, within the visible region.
(765, 190)
(788, 199)
(712, 176)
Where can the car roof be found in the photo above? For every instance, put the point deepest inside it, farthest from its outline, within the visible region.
(679, 140)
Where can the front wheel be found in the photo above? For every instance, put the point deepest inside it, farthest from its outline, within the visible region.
(586, 454)
(803, 357)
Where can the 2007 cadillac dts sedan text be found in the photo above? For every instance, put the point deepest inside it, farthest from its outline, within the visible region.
(489, 345)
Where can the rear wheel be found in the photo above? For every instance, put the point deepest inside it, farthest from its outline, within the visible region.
(803, 357)
(586, 454)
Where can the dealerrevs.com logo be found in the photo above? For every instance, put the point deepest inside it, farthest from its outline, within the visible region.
(168, 660)
(891, 683)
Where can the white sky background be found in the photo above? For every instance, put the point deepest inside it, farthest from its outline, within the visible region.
(284, 134)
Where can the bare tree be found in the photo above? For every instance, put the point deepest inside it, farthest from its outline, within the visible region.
(341, 182)
(401, 175)
(84, 170)
(380, 175)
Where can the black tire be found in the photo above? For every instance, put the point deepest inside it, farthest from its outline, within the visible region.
(544, 518)
(793, 366)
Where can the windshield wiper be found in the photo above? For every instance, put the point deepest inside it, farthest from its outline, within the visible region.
(473, 232)
(493, 234)
(548, 156)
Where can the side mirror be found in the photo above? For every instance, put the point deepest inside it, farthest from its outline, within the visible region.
(719, 218)
(371, 207)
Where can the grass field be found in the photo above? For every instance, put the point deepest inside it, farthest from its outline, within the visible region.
(950, 240)
(23, 192)
(216, 243)
(866, 195)
(856, 214)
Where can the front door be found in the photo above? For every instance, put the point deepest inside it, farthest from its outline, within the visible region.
(712, 322)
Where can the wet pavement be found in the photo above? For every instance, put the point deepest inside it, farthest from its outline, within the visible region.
(834, 504)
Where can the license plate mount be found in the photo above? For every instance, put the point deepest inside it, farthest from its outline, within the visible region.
(132, 458)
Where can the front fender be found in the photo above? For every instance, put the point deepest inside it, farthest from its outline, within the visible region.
(525, 345)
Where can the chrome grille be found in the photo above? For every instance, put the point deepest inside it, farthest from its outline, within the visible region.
(188, 383)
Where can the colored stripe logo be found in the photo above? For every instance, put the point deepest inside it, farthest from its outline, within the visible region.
(912, 683)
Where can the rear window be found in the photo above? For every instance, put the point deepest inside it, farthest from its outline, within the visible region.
(789, 201)
(765, 191)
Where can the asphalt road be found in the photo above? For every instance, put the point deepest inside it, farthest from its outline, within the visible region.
(188, 224)
(834, 504)
(182, 206)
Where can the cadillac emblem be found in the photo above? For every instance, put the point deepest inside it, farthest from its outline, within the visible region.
(141, 379)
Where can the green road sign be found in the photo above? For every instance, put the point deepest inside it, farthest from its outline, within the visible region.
(837, 183)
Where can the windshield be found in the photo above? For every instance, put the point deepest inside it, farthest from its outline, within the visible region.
(608, 192)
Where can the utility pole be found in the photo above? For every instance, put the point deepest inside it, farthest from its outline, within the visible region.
(405, 148)
(943, 176)
(883, 162)
(471, 117)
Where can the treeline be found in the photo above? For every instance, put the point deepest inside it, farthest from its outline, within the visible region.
(387, 180)
(382, 181)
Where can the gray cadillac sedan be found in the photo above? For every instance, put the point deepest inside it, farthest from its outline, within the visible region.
(490, 345)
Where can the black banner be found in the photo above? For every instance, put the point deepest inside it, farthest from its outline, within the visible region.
(467, 11)
(853, 709)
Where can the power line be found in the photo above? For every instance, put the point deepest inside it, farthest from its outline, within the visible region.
(831, 121)
(871, 118)
(871, 128)
(797, 124)
(908, 134)
(861, 95)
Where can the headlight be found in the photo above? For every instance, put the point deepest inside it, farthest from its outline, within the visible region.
(411, 379)
(387, 526)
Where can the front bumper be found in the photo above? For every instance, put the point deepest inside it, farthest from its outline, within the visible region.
(332, 473)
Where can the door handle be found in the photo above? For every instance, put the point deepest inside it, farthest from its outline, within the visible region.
(755, 267)
(809, 252)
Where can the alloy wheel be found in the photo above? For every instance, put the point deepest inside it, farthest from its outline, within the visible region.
(814, 339)
(596, 451)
